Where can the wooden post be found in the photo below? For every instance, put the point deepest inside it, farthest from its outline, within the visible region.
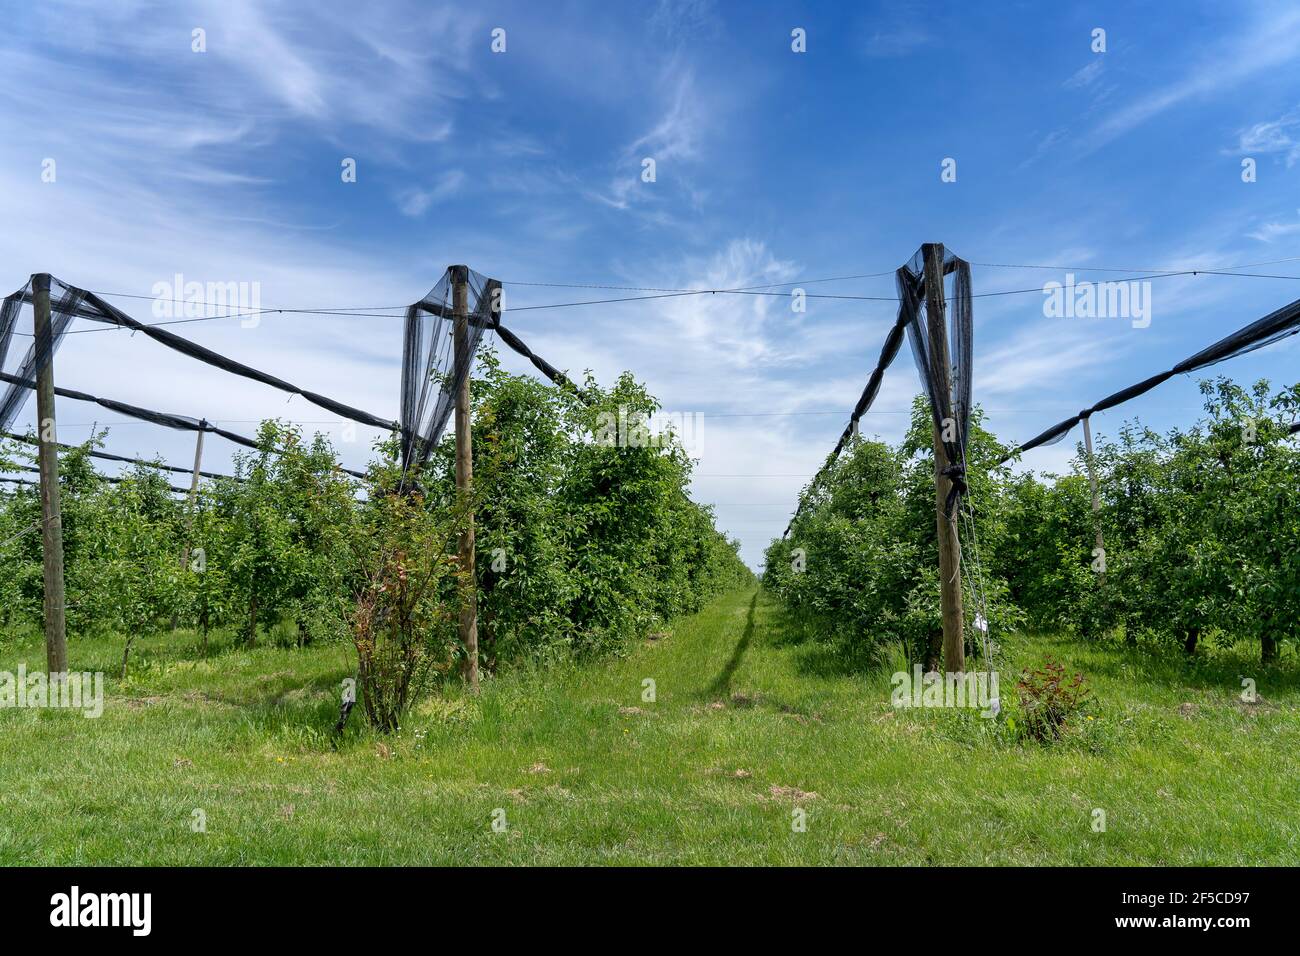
(193, 496)
(465, 475)
(954, 646)
(1096, 499)
(56, 640)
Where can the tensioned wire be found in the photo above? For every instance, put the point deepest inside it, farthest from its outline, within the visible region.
(387, 311)
(746, 290)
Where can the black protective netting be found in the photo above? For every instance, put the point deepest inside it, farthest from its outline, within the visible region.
(166, 419)
(20, 367)
(123, 459)
(430, 383)
(112, 480)
(68, 303)
(65, 302)
(1274, 326)
(944, 367)
(539, 363)
(943, 362)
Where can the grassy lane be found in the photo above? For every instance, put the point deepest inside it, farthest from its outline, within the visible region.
(750, 724)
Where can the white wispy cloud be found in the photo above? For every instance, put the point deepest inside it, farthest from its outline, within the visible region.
(415, 201)
(682, 20)
(1281, 135)
(1276, 230)
(1086, 75)
(199, 117)
(898, 40)
(1045, 353)
(1271, 41)
(325, 64)
(671, 142)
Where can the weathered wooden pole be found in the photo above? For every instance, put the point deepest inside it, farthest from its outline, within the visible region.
(954, 646)
(56, 640)
(1100, 551)
(193, 496)
(465, 474)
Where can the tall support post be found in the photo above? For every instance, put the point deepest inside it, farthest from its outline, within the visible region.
(954, 646)
(465, 476)
(1100, 551)
(191, 500)
(56, 640)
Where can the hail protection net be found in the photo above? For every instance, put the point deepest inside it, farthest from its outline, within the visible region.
(943, 357)
(26, 350)
(122, 459)
(546, 368)
(18, 328)
(68, 303)
(952, 402)
(111, 479)
(1274, 326)
(165, 419)
(431, 376)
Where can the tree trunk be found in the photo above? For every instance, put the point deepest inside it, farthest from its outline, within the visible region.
(1268, 649)
(251, 636)
(934, 652)
(1096, 497)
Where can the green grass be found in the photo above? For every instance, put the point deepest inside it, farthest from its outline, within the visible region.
(752, 721)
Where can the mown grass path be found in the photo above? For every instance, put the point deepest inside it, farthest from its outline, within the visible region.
(749, 724)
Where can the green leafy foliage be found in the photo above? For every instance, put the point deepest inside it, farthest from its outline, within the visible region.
(402, 630)
(582, 543)
(862, 557)
(120, 572)
(584, 539)
(276, 540)
(1199, 529)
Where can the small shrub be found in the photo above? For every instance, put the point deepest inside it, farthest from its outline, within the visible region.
(401, 626)
(1049, 698)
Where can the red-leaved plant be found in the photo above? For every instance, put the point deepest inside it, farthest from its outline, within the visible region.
(1049, 698)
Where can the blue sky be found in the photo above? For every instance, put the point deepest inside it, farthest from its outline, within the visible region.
(771, 166)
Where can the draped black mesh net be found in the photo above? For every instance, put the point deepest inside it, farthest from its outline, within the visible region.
(118, 480)
(945, 368)
(1274, 326)
(893, 342)
(123, 459)
(429, 381)
(539, 363)
(20, 366)
(68, 303)
(18, 325)
(165, 419)
(431, 377)
(942, 360)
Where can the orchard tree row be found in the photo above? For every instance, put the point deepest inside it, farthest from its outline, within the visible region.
(582, 543)
(1199, 530)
